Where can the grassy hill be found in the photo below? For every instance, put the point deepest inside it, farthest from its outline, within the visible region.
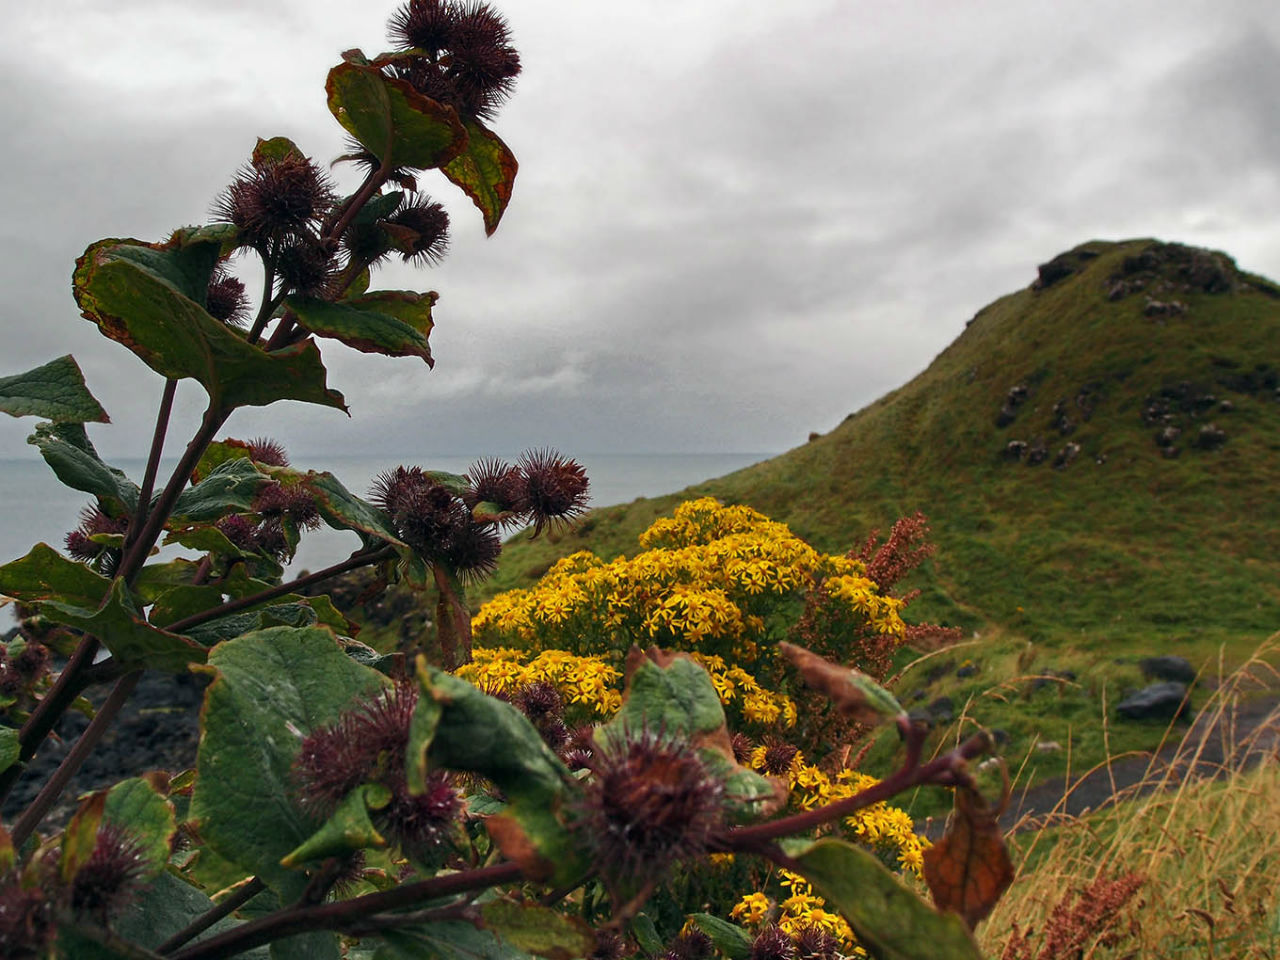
(1098, 454)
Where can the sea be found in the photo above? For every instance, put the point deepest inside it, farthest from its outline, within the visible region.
(35, 507)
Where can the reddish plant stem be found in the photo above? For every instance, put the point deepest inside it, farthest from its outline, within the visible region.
(354, 562)
(48, 795)
(269, 303)
(206, 920)
(153, 461)
(70, 684)
(946, 770)
(344, 913)
(136, 555)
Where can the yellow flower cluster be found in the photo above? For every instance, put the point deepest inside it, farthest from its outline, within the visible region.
(798, 911)
(735, 684)
(585, 680)
(879, 826)
(707, 579)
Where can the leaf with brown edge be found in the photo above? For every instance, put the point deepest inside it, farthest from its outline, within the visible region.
(486, 171)
(852, 692)
(969, 868)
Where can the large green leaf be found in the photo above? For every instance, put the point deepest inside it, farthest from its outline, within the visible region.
(343, 510)
(890, 921)
(730, 939)
(392, 322)
(67, 450)
(451, 940)
(124, 631)
(538, 930)
(170, 904)
(486, 172)
(150, 297)
(230, 487)
(393, 121)
(457, 727)
(271, 689)
(10, 747)
(137, 807)
(45, 574)
(348, 830)
(55, 391)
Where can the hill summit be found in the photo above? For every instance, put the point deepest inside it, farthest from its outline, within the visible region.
(1097, 453)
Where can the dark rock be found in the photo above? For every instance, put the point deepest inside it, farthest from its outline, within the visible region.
(942, 710)
(1167, 436)
(1100, 459)
(968, 670)
(1054, 678)
(1038, 452)
(999, 736)
(1178, 669)
(922, 717)
(1006, 416)
(1170, 453)
(1014, 449)
(1067, 455)
(813, 435)
(1059, 268)
(1210, 437)
(1162, 308)
(1160, 701)
(1226, 406)
(1016, 394)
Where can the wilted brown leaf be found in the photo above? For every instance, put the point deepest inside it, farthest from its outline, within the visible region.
(969, 868)
(852, 692)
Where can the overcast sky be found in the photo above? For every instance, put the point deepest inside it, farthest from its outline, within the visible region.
(734, 222)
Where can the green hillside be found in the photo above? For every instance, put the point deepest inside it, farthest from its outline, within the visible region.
(1098, 454)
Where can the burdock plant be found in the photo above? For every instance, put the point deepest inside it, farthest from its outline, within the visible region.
(346, 803)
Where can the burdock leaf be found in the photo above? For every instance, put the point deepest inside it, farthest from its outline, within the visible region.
(271, 689)
(890, 921)
(67, 450)
(851, 691)
(486, 172)
(126, 633)
(230, 487)
(45, 574)
(150, 298)
(394, 122)
(449, 940)
(274, 150)
(81, 835)
(137, 807)
(969, 868)
(55, 391)
(10, 750)
(457, 727)
(343, 510)
(371, 323)
(168, 905)
(348, 830)
(540, 931)
(729, 938)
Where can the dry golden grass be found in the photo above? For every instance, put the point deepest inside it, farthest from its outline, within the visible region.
(1207, 852)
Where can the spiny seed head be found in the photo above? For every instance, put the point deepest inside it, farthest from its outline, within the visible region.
(420, 825)
(496, 481)
(332, 762)
(650, 803)
(394, 489)
(815, 943)
(556, 487)
(275, 198)
(111, 875)
(693, 944)
(743, 746)
(467, 59)
(772, 944)
(778, 755)
(32, 662)
(539, 700)
(610, 945)
(25, 920)
(366, 243)
(421, 231)
(226, 299)
(268, 451)
(239, 530)
(472, 549)
(92, 521)
(278, 500)
(305, 266)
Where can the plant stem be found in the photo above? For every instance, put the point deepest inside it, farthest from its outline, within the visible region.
(269, 303)
(136, 555)
(206, 920)
(48, 795)
(153, 461)
(946, 770)
(73, 679)
(353, 562)
(343, 913)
